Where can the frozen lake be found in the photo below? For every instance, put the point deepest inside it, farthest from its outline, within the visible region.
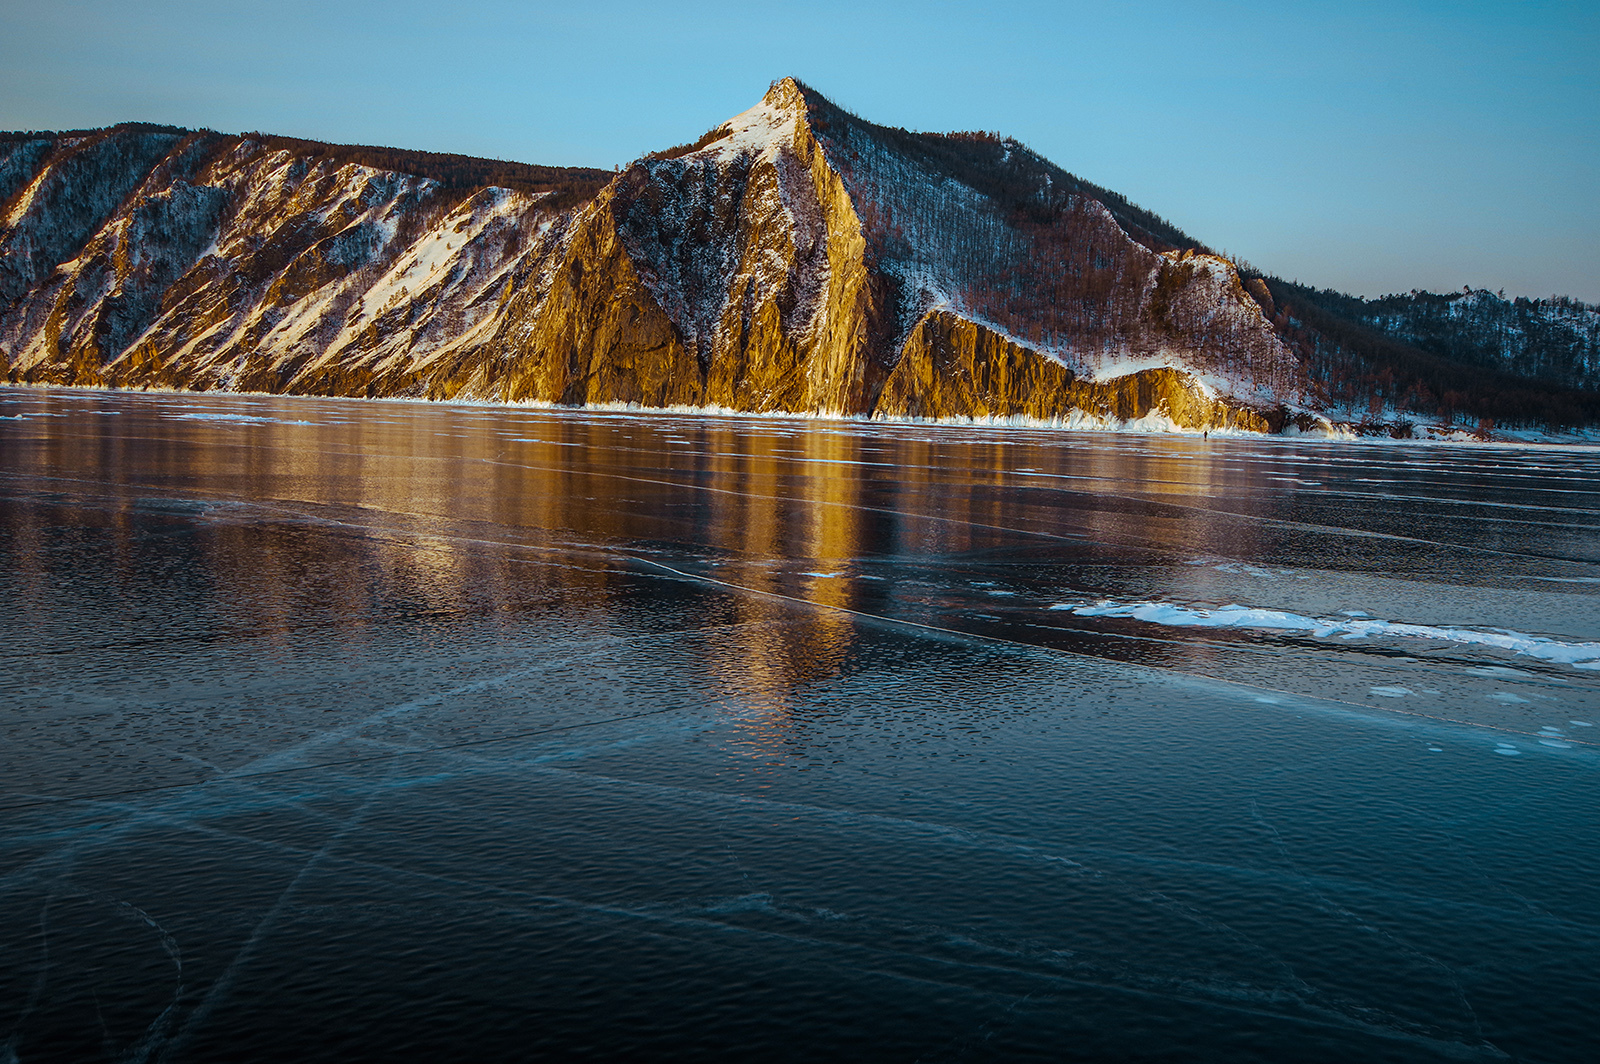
(340, 730)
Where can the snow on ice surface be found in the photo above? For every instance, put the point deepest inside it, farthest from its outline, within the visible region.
(1499, 670)
(237, 419)
(1578, 655)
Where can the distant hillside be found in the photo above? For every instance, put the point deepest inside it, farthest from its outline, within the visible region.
(1458, 356)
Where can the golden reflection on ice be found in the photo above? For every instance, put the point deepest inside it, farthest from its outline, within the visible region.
(472, 509)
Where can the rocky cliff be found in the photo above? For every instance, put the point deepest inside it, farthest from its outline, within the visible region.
(795, 259)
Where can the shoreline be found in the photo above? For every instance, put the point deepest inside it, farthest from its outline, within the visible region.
(1152, 424)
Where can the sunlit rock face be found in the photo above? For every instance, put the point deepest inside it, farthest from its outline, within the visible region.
(954, 368)
(797, 259)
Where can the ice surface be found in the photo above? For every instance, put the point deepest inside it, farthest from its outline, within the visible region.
(433, 745)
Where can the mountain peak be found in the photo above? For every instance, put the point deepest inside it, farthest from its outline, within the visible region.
(787, 94)
(771, 122)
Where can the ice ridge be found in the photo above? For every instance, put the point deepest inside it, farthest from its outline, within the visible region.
(1577, 654)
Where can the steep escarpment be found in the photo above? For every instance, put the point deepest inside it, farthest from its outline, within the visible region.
(753, 247)
(795, 258)
(760, 250)
(72, 186)
(955, 368)
(577, 325)
(74, 320)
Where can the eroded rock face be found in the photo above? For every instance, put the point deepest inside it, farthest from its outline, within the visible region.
(582, 327)
(954, 368)
(754, 248)
(798, 260)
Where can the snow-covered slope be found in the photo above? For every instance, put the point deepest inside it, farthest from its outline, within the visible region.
(228, 264)
(796, 259)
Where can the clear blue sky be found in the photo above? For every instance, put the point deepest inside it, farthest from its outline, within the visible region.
(1367, 147)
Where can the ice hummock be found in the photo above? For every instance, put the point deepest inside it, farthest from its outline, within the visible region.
(1580, 655)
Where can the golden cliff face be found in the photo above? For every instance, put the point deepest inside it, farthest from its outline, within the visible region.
(583, 330)
(797, 260)
(953, 368)
(753, 247)
(731, 277)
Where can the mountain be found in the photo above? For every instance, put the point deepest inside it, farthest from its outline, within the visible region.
(796, 258)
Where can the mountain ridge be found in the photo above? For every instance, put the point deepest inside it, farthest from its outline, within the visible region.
(794, 259)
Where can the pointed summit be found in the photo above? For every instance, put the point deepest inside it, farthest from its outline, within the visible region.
(792, 96)
(786, 94)
(773, 121)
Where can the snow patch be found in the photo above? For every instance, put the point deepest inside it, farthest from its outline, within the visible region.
(1578, 655)
(764, 128)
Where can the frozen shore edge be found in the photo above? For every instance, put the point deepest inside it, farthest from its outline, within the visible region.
(1152, 424)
